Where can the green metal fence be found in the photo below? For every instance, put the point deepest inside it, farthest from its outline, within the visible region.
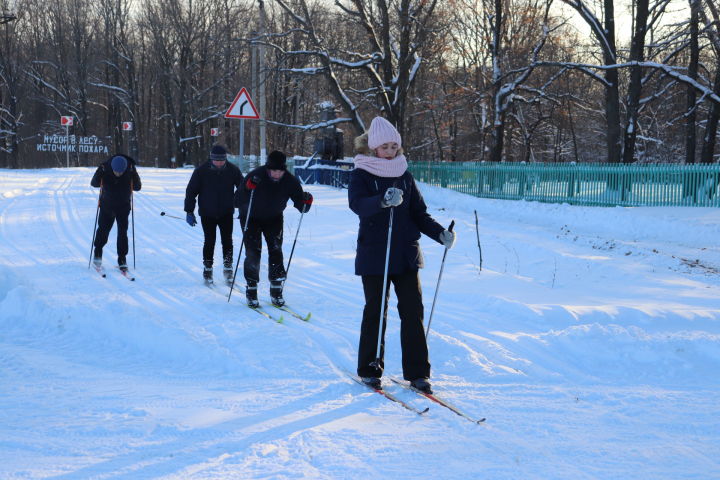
(579, 184)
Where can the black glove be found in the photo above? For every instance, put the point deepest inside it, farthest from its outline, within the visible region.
(307, 198)
(190, 219)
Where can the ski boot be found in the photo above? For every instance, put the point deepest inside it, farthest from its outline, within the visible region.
(251, 295)
(276, 288)
(208, 275)
(97, 259)
(228, 274)
(122, 264)
(422, 384)
(372, 382)
(228, 269)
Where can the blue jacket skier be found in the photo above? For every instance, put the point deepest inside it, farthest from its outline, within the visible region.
(214, 184)
(117, 178)
(381, 184)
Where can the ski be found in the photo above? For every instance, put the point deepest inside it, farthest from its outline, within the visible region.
(99, 269)
(126, 274)
(388, 395)
(265, 314)
(439, 401)
(286, 309)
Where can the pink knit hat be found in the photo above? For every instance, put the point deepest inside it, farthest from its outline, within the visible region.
(381, 131)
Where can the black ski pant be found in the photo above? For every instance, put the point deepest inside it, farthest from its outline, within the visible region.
(415, 361)
(210, 226)
(272, 230)
(106, 218)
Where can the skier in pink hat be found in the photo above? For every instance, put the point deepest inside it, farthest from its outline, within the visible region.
(393, 214)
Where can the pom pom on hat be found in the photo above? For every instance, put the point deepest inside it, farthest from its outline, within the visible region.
(381, 131)
(276, 161)
(118, 163)
(218, 153)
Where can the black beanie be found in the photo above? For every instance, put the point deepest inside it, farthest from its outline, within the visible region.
(276, 161)
(218, 153)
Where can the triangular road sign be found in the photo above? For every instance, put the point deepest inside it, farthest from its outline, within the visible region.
(242, 107)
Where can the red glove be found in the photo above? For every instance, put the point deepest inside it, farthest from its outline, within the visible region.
(307, 198)
(252, 183)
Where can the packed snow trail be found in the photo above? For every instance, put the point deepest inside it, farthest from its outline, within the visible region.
(590, 341)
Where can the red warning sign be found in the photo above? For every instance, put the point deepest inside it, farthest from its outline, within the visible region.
(242, 107)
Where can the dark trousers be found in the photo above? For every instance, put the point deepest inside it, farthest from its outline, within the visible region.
(106, 218)
(210, 226)
(272, 230)
(415, 362)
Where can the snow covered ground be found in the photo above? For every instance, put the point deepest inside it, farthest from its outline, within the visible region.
(590, 341)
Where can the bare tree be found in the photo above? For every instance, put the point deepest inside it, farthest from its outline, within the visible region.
(12, 83)
(394, 35)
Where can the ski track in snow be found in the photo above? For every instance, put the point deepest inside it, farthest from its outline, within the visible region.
(590, 341)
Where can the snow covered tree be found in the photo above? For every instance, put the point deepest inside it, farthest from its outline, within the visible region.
(13, 83)
(390, 35)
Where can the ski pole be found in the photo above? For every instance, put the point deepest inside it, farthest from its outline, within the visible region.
(376, 363)
(242, 242)
(97, 214)
(293, 245)
(132, 214)
(437, 287)
(477, 232)
(163, 214)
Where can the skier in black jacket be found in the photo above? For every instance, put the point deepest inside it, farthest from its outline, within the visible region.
(379, 184)
(214, 183)
(273, 186)
(117, 178)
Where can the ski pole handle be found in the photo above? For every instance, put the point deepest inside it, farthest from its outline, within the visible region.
(452, 225)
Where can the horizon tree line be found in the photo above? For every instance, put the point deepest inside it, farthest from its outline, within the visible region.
(463, 80)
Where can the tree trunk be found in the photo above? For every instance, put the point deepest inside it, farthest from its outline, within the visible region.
(637, 54)
(691, 98)
(612, 92)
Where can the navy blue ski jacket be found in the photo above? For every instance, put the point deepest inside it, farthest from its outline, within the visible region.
(410, 219)
(215, 189)
(270, 198)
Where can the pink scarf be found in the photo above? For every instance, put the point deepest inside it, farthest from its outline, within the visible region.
(381, 167)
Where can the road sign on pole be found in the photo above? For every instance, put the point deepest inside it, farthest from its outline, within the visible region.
(67, 121)
(127, 125)
(242, 107)
(214, 132)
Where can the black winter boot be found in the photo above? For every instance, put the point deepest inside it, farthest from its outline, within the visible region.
(276, 296)
(251, 295)
(122, 263)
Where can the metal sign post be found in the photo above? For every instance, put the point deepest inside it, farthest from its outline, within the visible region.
(67, 120)
(67, 144)
(242, 139)
(126, 127)
(238, 110)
